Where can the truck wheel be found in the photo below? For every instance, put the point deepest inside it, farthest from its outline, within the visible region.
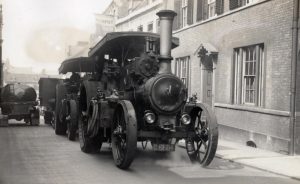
(73, 122)
(87, 144)
(34, 118)
(124, 134)
(201, 148)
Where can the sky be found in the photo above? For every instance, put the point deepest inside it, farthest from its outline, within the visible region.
(36, 33)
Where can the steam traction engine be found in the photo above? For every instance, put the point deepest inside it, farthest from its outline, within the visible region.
(135, 97)
(59, 97)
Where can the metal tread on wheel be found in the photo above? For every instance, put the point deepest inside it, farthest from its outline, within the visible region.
(59, 126)
(124, 134)
(202, 147)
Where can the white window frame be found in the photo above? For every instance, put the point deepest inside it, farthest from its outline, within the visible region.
(249, 75)
(157, 25)
(182, 69)
(211, 8)
(140, 28)
(247, 2)
(251, 1)
(184, 9)
(150, 23)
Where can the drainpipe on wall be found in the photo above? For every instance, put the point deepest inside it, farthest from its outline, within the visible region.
(294, 75)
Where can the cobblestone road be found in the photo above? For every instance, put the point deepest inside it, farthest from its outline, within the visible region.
(35, 155)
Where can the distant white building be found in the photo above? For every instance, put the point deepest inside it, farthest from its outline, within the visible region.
(141, 16)
(16, 70)
(105, 22)
(25, 75)
(78, 50)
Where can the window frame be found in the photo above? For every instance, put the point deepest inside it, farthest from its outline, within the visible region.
(157, 26)
(211, 8)
(184, 75)
(245, 71)
(234, 4)
(150, 23)
(140, 28)
(184, 14)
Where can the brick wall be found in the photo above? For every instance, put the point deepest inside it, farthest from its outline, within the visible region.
(268, 22)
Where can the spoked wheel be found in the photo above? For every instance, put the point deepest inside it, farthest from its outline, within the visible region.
(73, 120)
(202, 147)
(87, 144)
(124, 135)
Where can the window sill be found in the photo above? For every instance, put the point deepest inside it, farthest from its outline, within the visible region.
(253, 109)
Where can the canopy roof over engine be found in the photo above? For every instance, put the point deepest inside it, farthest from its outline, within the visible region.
(80, 64)
(126, 44)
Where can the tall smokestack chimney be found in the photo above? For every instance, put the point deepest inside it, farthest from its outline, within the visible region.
(166, 18)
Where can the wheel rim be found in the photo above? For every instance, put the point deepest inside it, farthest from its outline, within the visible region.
(202, 146)
(124, 135)
(119, 136)
(201, 140)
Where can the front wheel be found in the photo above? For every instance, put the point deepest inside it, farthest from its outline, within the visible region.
(202, 147)
(124, 134)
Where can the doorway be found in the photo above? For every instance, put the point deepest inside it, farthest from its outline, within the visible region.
(207, 79)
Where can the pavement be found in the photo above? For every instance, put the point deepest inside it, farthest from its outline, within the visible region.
(273, 162)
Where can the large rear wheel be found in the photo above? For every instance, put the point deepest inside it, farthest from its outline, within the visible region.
(124, 135)
(202, 147)
(60, 125)
(73, 120)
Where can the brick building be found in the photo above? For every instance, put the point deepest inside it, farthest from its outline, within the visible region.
(237, 55)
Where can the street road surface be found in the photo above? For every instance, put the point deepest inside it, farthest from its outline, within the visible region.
(35, 155)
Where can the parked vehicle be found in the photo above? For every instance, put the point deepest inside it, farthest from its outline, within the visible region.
(47, 98)
(59, 97)
(18, 101)
(133, 97)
